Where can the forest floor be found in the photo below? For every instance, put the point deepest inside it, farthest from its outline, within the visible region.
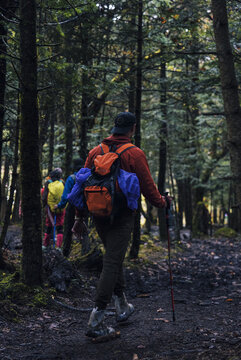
(207, 292)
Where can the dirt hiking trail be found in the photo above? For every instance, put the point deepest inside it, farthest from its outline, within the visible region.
(207, 292)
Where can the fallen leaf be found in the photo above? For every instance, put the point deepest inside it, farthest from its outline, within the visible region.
(46, 316)
(6, 330)
(159, 310)
(161, 319)
(53, 326)
(143, 295)
(229, 299)
(141, 347)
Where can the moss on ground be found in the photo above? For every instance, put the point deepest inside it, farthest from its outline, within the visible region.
(226, 232)
(14, 295)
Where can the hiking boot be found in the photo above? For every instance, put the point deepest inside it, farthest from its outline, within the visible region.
(123, 308)
(96, 326)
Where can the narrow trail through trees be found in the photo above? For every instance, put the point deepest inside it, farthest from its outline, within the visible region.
(207, 291)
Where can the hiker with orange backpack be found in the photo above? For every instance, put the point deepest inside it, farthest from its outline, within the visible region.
(51, 196)
(115, 227)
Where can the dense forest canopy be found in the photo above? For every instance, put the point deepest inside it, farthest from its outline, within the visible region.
(158, 59)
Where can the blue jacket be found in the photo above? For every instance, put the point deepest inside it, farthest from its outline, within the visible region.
(67, 189)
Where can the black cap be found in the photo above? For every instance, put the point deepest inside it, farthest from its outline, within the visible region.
(123, 123)
(77, 164)
(56, 174)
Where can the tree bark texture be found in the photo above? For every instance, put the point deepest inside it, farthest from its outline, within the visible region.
(3, 50)
(188, 203)
(12, 187)
(230, 96)
(43, 130)
(86, 114)
(51, 140)
(181, 202)
(29, 145)
(163, 153)
(16, 217)
(132, 78)
(137, 227)
(68, 97)
(5, 186)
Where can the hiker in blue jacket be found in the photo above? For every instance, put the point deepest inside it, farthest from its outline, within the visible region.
(70, 210)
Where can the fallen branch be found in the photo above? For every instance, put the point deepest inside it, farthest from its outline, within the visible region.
(73, 308)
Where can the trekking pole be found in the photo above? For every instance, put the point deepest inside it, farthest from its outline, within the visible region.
(54, 230)
(169, 255)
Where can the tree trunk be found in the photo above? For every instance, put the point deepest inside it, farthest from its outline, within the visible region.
(43, 132)
(51, 140)
(132, 77)
(163, 154)
(4, 189)
(84, 120)
(181, 202)
(16, 210)
(137, 227)
(12, 187)
(188, 203)
(68, 97)
(86, 90)
(149, 217)
(230, 97)
(29, 145)
(3, 50)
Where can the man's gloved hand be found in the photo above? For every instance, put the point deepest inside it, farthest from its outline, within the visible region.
(168, 200)
(79, 228)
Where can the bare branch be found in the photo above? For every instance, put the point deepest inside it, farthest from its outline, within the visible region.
(49, 58)
(8, 20)
(72, 6)
(11, 56)
(10, 12)
(62, 22)
(45, 88)
(47, 45)
(213, 114)
(18, 75)
(13, 87)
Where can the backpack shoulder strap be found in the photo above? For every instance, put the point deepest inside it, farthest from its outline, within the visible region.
(73, 177)
(124, 147)
(104, 148)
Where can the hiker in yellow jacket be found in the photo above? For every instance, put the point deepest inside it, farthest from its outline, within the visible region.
(51, 196)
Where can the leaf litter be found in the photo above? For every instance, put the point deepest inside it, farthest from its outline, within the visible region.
(207, 293)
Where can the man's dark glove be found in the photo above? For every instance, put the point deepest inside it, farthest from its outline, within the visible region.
(168, 200)
(79, 228)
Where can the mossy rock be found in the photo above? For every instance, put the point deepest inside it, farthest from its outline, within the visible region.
(40, 297)
(225, 232)
(9, 310)
(201, 220)
(11, 288)
(15, 293)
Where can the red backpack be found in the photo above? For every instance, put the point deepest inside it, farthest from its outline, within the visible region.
(102, 193)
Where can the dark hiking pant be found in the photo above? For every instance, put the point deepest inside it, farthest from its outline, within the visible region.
(68, 225)
(115, 238)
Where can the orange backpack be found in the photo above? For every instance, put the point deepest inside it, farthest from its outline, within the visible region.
(102, 193)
